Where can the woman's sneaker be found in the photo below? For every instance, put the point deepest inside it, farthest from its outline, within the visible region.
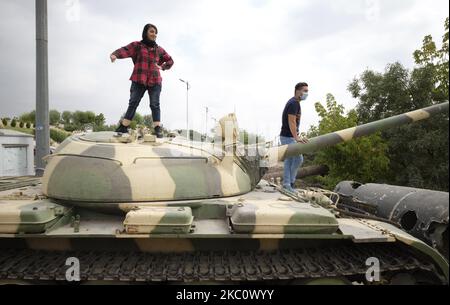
(122, 129)
(158, 132)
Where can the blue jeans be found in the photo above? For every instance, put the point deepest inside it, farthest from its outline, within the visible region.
(291, 165)
(137, 91)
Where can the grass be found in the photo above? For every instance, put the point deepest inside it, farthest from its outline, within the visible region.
(24, 130)
(57, 135)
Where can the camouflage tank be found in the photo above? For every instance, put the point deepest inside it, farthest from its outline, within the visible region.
(140, 209)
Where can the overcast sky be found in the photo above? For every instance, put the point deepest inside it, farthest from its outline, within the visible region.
(238, 54)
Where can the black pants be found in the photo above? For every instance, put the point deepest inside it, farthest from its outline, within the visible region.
(137, 91)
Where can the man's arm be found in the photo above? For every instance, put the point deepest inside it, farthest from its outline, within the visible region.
(292, 119)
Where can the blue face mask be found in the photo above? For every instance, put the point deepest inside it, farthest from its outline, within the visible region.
(304, 96)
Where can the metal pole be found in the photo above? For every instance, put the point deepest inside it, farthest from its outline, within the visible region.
(206, 123)
(187, 107)
(42, 115)
(187, 110)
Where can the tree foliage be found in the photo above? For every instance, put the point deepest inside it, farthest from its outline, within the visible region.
(66, 117)
(419, 151)
(28, 117)
(364, 159)
(54, 117)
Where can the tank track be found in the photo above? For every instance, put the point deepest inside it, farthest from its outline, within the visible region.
(309, 263)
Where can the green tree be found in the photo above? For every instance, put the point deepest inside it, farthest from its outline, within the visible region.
(54, 117)
(100, 120)
(429, 56)
(418, 152)
(81, 118)
(28, 117)
(90, 117)
(363, 159)
(67, 117)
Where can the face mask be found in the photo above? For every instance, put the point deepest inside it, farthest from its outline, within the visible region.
(304, 96)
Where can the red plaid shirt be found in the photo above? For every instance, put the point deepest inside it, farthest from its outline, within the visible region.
(145, 59)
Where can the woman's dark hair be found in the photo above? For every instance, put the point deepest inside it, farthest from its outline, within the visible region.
(145, 30)
(300, 86)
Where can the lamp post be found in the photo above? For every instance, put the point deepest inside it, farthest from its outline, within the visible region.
(188, 86)
(42, 115)
(206, 123)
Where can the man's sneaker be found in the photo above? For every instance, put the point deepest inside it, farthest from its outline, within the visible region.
(122, 129)
(289, 188)
(293, 185)
(158, 132)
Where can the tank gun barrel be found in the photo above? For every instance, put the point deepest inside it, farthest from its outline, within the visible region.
(282, 152)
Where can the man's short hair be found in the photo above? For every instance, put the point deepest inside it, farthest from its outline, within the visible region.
(300, 86)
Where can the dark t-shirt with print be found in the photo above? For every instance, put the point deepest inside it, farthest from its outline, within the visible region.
(292, 107)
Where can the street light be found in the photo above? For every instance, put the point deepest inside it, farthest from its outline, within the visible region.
(42, 116)
(188, 86)
(206, 123)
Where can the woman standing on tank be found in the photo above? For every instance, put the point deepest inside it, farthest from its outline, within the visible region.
(148, 59)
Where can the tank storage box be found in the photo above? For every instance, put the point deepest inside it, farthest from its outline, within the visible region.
(283, 218)
(159, 220)
(29, 217)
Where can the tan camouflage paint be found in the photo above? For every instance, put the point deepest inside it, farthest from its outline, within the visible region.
(10, 219)
(142, 167)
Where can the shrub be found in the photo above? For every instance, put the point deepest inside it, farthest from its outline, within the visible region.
(58, 135)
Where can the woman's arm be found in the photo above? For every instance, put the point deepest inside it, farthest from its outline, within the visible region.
(166, 62)
(126, 51)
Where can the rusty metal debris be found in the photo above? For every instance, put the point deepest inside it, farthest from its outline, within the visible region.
(422, 213)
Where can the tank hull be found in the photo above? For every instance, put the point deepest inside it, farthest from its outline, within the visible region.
(214, 250)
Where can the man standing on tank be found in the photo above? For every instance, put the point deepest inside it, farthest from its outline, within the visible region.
(290, 134)
(148, 58)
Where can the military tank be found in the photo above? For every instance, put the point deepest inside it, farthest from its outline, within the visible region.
(139, 209)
